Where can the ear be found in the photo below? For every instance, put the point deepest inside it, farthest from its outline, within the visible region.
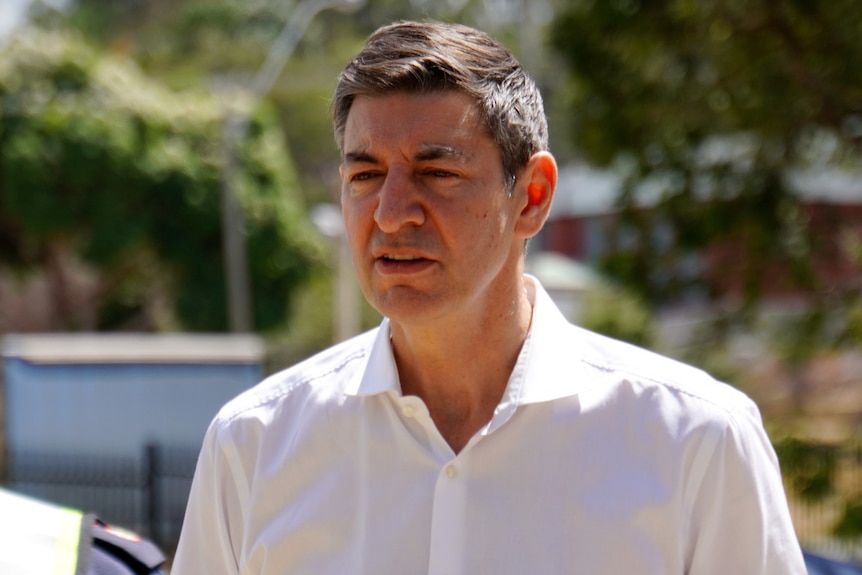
(536, 191)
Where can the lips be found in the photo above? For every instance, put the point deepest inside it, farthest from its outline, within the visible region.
(401, 263)
(399, 252)
(401, 257)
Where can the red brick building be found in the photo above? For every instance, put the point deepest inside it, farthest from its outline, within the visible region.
(585, 225)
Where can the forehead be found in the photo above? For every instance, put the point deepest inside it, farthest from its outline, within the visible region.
(403, 119)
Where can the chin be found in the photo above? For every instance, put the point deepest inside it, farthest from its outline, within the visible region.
(402, 305)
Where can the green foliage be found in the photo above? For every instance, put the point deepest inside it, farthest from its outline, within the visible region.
(812, 471)
(810, 468)
(702, 106)
(98, 157)
(221, 44)
(670, 72)
(849, 525)
(618, 314)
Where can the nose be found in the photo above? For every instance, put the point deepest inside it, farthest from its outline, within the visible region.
(398, 203)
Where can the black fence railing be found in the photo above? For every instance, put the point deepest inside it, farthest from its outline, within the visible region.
(147, 493)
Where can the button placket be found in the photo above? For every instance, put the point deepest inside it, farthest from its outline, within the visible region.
(448, 534)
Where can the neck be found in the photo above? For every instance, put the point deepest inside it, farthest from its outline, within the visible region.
(460, 367)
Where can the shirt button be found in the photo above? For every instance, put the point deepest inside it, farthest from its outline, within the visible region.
(451, 471)
(408, 411)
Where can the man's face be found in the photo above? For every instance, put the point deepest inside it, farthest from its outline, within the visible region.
(425, 207)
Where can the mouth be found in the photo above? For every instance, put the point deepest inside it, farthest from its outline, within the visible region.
(401, 257)
(398, 264)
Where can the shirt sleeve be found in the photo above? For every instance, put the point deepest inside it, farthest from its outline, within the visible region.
(740, 521)
(210, 537)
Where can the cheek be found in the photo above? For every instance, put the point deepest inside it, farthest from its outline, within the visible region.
(357, 214)
(354, 232)
(484, 231)
(493, 221)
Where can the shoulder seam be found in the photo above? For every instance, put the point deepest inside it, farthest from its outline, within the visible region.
(609, 367)
(282, 391)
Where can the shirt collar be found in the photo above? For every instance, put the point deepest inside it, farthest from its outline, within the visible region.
(547, 368)
(380, 374)
(550, 365)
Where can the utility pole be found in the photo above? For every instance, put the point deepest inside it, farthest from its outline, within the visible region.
(237, 277)
(346, 304)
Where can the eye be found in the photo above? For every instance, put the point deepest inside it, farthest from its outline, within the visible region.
(362, 181)
(362, 176)
(440, 173)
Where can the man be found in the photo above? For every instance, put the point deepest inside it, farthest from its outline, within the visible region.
(475, 431)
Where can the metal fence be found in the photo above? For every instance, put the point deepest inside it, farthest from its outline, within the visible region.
(147, 493)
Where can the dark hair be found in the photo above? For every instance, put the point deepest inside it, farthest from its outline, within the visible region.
(423, 57)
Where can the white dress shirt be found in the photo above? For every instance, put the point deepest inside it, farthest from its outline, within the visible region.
(601, 458)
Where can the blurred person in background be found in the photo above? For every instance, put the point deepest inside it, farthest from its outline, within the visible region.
(476, 430)
(39, 538)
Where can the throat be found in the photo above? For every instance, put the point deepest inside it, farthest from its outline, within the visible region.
(458, 420)
(458, 429)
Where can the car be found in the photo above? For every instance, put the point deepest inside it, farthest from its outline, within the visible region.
(42, 537)
(821, 565)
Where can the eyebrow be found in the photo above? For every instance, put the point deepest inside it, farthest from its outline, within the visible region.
(432, 152)
(427, 153)
(360, 156)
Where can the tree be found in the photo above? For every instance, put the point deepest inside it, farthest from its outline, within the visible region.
(104, 163)
(708, 107)
(705, 105)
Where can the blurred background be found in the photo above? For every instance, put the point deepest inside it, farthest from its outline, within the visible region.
(169, 231)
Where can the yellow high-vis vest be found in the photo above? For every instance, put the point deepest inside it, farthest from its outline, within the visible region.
(38, 538)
